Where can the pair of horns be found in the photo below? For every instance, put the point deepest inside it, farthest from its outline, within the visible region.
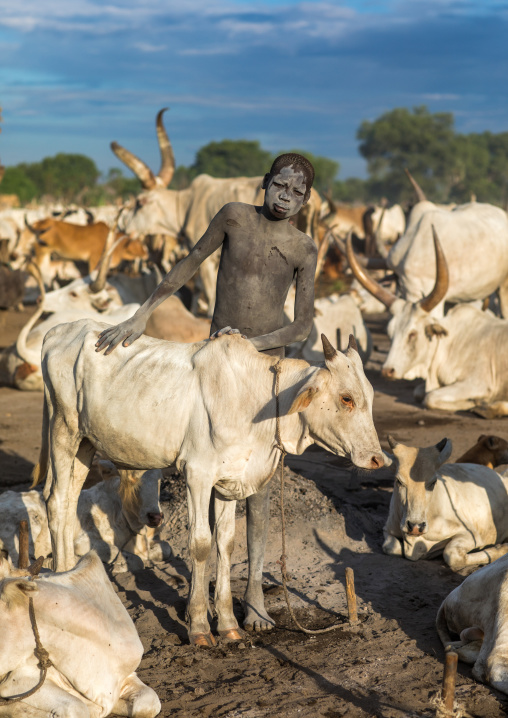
(428, 303)
(329, 350)
(140, 169)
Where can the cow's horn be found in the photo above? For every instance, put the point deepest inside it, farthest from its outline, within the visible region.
(392, 442)
(89, 217)
(377, 235)
(167, 169)
(384, 295)
(352, 343)
(98, 284)
(442, 278)
(328, 350)
(30, 227)
(140, 169)
(28, 355)
(419, 192)
(331, 204)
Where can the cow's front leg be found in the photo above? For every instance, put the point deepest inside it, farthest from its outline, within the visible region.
(258, 516)
(225, 523)
(461, 396)
(200, 542)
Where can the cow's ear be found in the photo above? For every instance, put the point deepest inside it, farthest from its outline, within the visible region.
(308, 392)
(445, 450)
(435, 330)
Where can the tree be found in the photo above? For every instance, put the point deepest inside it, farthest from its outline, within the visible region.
(421, 141)
(64, 176)
(16, 181)
(232, 158)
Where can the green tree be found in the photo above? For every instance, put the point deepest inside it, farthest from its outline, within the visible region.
(232, 158)
(421, 141)
(65, 176)
(16, 181)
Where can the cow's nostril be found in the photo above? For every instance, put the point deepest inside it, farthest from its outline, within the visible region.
(388, 372)
(376, 462)
(422, 526)
(410, 526)
(155, 519)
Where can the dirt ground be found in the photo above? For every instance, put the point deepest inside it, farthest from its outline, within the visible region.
(390, 666)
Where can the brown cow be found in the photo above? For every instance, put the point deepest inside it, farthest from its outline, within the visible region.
(82, 243)
(490, 451)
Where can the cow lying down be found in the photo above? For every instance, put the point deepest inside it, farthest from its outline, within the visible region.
(120, 518)
(90, 638)
(454, 509)
(476, 611)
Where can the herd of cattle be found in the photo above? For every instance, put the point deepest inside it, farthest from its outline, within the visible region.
(442, 272)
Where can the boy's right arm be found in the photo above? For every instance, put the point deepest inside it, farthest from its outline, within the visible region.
(130, 330)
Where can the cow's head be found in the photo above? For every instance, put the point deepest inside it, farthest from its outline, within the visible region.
(80, 294)
(155, 210)
(139, 492)
(415, 480)
(337, 401)
(413, 329)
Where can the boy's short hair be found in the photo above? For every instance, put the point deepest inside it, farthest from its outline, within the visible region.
(299, 162)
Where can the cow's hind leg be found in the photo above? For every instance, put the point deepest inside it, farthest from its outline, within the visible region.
(225, 523)
(258, 515)
(200, 543)
(50, 701)
(461, 396)
(70, 462)
(137, 700)
(457, 553)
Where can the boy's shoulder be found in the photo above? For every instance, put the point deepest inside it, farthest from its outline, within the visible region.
(235, 210)
(303, 238)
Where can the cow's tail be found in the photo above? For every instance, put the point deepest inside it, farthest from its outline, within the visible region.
(41, 469)
(442, 627)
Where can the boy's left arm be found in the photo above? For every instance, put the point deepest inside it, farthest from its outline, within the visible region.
(300, 327)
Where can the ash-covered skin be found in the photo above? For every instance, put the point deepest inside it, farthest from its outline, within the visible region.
(261, 255)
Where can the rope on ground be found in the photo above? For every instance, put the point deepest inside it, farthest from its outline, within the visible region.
(282, 561)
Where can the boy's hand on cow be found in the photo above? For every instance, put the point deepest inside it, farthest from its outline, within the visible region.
(126, 333)
(226, 330)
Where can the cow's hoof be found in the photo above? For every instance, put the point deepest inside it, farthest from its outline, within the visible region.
(231, 634)
(202, 639)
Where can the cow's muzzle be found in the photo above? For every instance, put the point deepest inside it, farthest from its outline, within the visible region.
(155, 519)
(388, 372)
(416, 529)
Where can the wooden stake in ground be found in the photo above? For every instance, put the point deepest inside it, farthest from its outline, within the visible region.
(351, 595)
(23, 559)
(449, 677)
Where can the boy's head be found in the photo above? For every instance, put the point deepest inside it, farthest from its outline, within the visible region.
(287, 186)
(299, 163)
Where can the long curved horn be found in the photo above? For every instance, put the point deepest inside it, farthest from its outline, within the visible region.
(442, 277)
(167, 169)
(331, 204)
(377, 237)
(140, 169)
(29, 355)
(31, 228)
(384, 295)
(89, 217)
(99, 282)
(323, 249)
(419, 192)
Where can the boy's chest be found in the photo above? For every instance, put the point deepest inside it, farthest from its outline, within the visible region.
(254, 255)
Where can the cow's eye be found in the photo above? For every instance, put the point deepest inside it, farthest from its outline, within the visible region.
(347, 401)
(73, 294)
(411, 336)
(400, 483)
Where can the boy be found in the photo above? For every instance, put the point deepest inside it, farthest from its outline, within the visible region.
(262, 253)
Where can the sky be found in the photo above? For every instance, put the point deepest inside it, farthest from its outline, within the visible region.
(77, 74)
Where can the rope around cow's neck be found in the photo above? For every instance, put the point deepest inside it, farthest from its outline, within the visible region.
(40, 653)
(282, 561)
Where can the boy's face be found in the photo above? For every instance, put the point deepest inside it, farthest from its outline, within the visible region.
(285, 192)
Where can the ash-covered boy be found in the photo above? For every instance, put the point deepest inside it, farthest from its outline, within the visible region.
(262, 253)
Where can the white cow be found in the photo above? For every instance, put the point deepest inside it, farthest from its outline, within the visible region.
(455, 509)
(120, 518)
(210, 409)
(448, 352)
(474, 237)
(476, 612)
(91, 640)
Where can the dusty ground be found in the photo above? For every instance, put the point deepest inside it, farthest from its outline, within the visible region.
(391, 666)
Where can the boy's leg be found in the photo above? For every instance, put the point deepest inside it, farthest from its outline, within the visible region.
(258, 516)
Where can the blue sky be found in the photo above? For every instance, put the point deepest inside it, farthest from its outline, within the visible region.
(77, 74)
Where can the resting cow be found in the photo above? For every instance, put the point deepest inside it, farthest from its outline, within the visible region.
(120, 518)
(90, 638)
(476, 612)
(210, 409)
(490, 451)
(453, 509)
